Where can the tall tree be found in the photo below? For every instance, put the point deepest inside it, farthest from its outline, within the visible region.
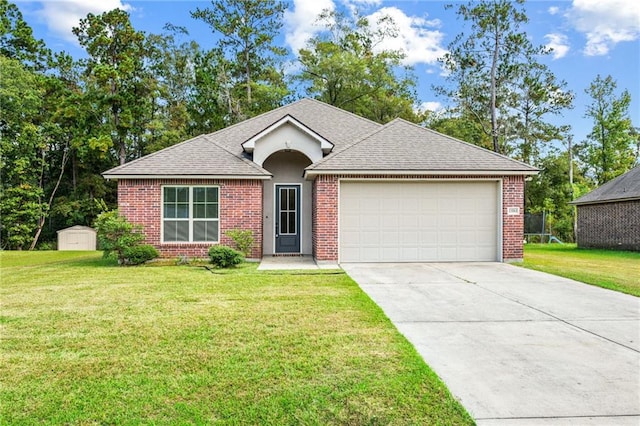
(494, 77)
(247, 29)
(343, 67)
(22, 160)
(210, 105)
(172, 64)
(17, 40)
(610, 148)
(117, 78)
(538, 94)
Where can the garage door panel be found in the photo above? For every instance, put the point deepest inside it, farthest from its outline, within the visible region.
(418, 221)
(390, 237)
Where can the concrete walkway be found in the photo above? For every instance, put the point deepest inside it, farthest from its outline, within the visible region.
(515, 346)
(277, 263)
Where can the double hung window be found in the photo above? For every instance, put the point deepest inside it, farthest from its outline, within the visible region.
(190, 214)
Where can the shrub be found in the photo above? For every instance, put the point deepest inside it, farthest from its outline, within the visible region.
(140, 254)
(224, 257)
(116, 234)
(243, 240)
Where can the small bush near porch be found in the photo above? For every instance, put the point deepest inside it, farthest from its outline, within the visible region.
(86, 343)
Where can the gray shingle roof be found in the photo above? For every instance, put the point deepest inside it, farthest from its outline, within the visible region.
(220, 153)
(200, 156)
(359, 145)
(624, 187)
(404, 146)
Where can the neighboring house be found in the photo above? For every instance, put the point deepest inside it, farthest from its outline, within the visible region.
(609, 216)
(309, 178)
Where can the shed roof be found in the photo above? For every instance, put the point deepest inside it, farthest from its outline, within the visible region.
(77, 228)
(625, 187)
(401, 146)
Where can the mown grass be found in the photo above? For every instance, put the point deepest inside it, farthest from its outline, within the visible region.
(615, 270)
(85, 342)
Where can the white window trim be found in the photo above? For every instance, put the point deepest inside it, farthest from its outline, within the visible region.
(190, 219)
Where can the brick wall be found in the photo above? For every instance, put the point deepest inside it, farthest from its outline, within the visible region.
(512, 225)
(325, 214)
(240, 207)
(610, 225)
(325, 218)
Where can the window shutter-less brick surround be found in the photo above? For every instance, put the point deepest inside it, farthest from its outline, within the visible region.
(139, 200)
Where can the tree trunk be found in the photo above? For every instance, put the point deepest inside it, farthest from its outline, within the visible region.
(494, 117)
(43, 217)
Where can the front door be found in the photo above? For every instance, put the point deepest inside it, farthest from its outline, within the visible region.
(287, 230)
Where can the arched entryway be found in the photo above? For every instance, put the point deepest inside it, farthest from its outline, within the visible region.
(287, 205)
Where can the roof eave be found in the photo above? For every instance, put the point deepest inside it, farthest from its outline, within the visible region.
(115, 176)
(610, 200)
(308, 174)
(249, 145)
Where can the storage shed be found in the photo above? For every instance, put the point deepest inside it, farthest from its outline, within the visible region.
(77, 238)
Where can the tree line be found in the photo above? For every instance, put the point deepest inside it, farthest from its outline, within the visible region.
(64, 120)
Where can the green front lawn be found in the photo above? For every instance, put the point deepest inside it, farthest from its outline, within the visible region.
(85, 342)
(615, 270)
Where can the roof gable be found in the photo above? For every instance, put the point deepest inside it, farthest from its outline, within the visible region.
(221, 154)
(404, 147)
(624, 187)
(325, 145)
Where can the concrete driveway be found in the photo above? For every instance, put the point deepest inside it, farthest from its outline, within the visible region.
(515, 346)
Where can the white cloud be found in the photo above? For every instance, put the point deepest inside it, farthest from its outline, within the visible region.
(62, 15)
(559, 43)
(300, 23)
(553, 10)
(605, 23)
(430, 106)
(364, 3)
(415, 38)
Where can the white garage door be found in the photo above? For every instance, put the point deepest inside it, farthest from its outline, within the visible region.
(418, 221)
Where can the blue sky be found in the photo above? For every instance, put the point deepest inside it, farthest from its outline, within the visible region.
(589, 37)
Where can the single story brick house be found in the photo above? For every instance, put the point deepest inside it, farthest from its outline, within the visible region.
(609, 216)
(312, 179)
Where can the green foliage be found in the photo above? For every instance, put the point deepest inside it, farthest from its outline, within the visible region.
(21, 209)
(17, 41)
(139, 254)
(172, 62)
(341, 68)
(243, 240)
(21, 93)
(495, 77)
(463, 128)
(118, 82)
(116, 235)
(224, 257)
(207, 107)
(610, 148)
(551, 191)
(249, 63)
